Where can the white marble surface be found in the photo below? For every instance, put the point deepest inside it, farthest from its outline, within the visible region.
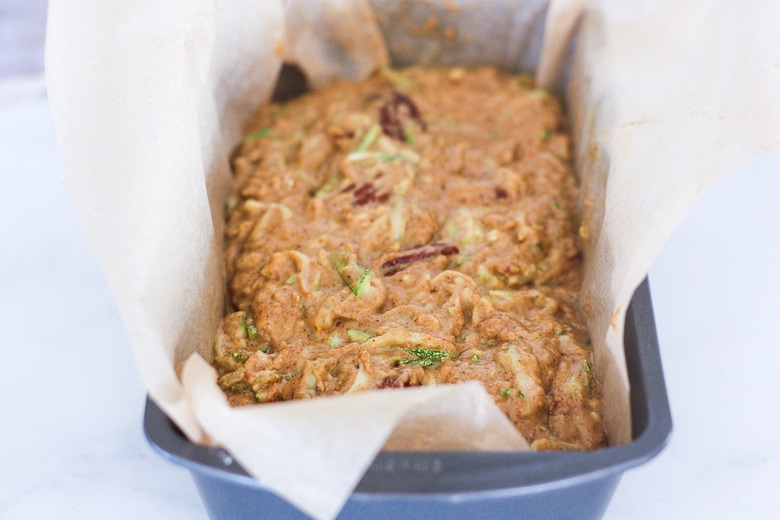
(71, 444)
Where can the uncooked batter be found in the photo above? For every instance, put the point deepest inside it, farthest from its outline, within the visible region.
(417, 228)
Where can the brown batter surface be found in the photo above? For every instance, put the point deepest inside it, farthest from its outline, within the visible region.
(417, 228)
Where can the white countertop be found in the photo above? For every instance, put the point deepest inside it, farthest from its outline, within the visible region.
(71, 402)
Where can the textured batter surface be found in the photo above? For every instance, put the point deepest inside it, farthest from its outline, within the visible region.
(417, 228)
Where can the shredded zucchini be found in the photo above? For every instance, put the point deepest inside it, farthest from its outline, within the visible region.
(371, 135)
(358, 336)
(425, 356)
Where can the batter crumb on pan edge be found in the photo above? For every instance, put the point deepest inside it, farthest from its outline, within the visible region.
(416, 228)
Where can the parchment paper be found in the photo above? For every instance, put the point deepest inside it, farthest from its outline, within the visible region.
(149, 98)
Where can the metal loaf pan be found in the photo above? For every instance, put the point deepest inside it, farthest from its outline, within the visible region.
(459, 485)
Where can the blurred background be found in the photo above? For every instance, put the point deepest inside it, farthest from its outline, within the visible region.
(22, 35)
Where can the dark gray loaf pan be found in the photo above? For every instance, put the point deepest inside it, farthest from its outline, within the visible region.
(457, 485)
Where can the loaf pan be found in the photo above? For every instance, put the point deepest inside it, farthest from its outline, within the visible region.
(459, 485)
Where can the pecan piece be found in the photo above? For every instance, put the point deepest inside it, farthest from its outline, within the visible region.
(393, 114)
(419, 252)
